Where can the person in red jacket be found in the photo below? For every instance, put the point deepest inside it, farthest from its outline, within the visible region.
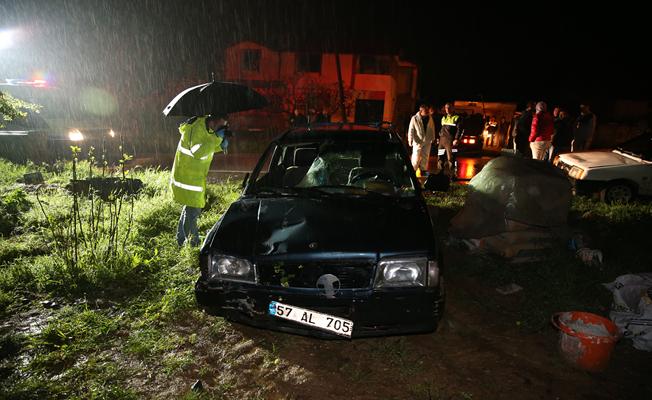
(541, 131)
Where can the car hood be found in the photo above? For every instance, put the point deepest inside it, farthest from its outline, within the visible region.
(597, 159)
(284, 226)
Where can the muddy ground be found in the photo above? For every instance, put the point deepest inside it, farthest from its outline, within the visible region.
(475, 354)
(480, 351)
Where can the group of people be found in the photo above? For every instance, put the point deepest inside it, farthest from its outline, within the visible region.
(422, 134)
(537, 133)
(543, 136)
(298, 119)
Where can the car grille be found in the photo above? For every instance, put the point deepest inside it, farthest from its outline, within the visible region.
(352, 275)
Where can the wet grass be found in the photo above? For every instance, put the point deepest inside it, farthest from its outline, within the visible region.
(131, 329)
(107, 322)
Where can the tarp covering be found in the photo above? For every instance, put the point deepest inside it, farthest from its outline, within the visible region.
(513, 194)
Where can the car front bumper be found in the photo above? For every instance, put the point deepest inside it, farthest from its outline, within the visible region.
(373, 312)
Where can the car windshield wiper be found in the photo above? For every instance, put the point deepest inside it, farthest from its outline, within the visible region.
(318, 190)
(350, 190)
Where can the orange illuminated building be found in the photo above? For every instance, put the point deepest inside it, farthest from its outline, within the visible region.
(376, 87)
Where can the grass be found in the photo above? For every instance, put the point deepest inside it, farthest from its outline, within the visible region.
(120, 323)
(113, 317)
(12, 204)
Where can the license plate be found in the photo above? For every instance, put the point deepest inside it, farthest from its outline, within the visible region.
(339, 326)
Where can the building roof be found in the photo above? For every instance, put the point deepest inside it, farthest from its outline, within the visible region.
(376, 48)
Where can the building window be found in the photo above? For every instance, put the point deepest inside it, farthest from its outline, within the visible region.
(251, 60)
(309, 62)
(373, 65)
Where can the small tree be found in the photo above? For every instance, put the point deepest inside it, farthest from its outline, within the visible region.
(12, 108)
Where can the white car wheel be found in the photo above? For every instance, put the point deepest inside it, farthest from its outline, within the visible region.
(618, 192)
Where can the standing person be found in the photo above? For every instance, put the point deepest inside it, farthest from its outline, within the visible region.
(421, 133)
(584, 129)
(541, 131)
(312, 116)
(449, 134)
(562, 136)
(201, 137)
(297, 119)
(323, 117)
(503, 128)
(491, 127)
(521, 131)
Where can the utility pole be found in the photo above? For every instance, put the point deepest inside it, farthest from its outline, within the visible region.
(341, 86)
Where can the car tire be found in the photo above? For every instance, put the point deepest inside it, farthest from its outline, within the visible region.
(619, 192)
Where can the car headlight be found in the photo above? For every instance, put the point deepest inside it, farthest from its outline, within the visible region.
(231, 268)
(556, 160)
(401, 273)
(576, 173)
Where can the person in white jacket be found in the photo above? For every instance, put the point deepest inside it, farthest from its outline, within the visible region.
(421, 134)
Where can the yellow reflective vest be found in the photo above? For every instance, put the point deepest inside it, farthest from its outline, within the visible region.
(192, 161)
(450, 127)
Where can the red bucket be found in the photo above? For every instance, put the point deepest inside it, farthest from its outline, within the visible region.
(586, 340)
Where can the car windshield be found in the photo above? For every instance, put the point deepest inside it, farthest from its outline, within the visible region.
(640, 146)
(335, 168)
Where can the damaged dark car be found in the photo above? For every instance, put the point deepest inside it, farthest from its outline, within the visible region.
(331, 238)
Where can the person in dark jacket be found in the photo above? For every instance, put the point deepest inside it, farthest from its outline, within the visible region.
(521, 131)
(298, 119)
(541, 131)
(323, 117)
(562, 136)
(584, 129)
(450, 132)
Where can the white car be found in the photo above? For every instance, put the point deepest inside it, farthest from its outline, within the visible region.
(619, 175)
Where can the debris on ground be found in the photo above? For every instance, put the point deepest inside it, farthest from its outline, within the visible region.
(509, 289)
(197, 386)
(518, 245)
(592, 257)
(49, 304)
(33, 178)
(580, 243)
(631, 310)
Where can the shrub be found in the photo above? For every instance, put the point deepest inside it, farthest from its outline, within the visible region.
(12, 205)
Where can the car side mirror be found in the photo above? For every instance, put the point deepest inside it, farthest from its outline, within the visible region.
(437, 183)
(245, 180)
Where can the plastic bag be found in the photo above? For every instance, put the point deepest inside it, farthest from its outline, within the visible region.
(631, 310)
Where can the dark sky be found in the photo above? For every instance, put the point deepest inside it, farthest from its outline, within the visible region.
(546, 50)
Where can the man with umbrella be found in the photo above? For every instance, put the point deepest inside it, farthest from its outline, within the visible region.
(201, 137)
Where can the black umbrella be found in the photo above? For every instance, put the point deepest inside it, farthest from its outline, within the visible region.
(214, 98)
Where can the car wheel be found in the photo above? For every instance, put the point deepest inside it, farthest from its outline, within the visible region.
(619, 192)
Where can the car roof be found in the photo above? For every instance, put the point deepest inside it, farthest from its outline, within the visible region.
(339, 132)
